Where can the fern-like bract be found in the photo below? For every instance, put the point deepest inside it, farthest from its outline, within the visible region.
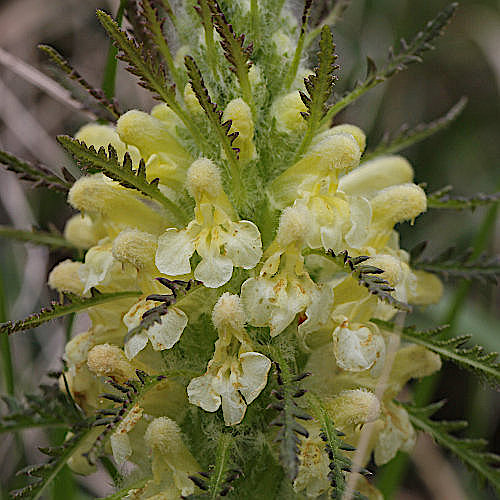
(59, 309)
(40, 175)
(93, 161)
(444, 199)
(407, 136)
(410, 53)
(484, 364)
(470, 451)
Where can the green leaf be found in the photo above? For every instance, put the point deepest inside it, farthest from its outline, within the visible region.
(126, 491)
(154, 25)
(51, 239)
(109, 105)
(289, 429)
(450, 264)
(93, 161)
(319, 88)
(410, 53)
(220, 128)
(149, 69)
(470, 451)
(406, 137)
(124, 398)
(50, 408)
(335, 448)
(58, 309)
(234, 49)
(44, 474)
(443, 199)
(475, 358)
(292, 72)
(216, 483)
(40, 175)
(366, 276)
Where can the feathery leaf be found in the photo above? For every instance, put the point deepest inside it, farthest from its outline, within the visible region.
(470, 451)
(93, 161)
(216, 483)
(410, 53)
(450, 264)
(220, 128)
(484, 364)
(366, 276)
(406, 136)
(109, 105)
(334, 447)
(58, 309)
(126, 399)
(143, 64)
(319, 88)
(234, 49)
(443, 199)
(40, 175)
(50, 408)
(51, 239)
(289, 412)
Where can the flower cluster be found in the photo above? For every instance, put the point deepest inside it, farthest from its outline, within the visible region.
(260, 297)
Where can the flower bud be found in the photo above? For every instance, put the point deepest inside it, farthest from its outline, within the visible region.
(293, 227)
(228, 313)
(203, 179)
(397, 204)
(100, 196)
(65, 277)
(135, 247)
(375, 175)
(287, 111)
(353, 407)
(107, 360)
(150, 136)
(191, 100)
(240, 114)
(345, 128)
(80, 231)
(428, 290)
(165, 114)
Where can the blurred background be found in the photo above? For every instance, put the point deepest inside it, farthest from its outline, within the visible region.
(466, 155)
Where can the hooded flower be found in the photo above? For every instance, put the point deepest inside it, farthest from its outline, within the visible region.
(163, 333)
(221, 242)
(283, 287)
(235, 375)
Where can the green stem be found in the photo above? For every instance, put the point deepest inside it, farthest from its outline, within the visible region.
(109, 78)
(8, 370)
(254, 19)
(111, 470)
(393, 474)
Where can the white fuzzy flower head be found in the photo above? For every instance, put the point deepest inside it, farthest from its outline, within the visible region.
(293, 227)
(203, 179)
(228, 313)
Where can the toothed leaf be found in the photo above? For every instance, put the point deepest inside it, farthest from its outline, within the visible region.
(475, 358)
(470, 451)
(443, 199)
(93, 161)
(50, 239)
(450, 264)
(407, 137)
(410, 53)
(58, 309)
(110, 106)
(40, 175)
